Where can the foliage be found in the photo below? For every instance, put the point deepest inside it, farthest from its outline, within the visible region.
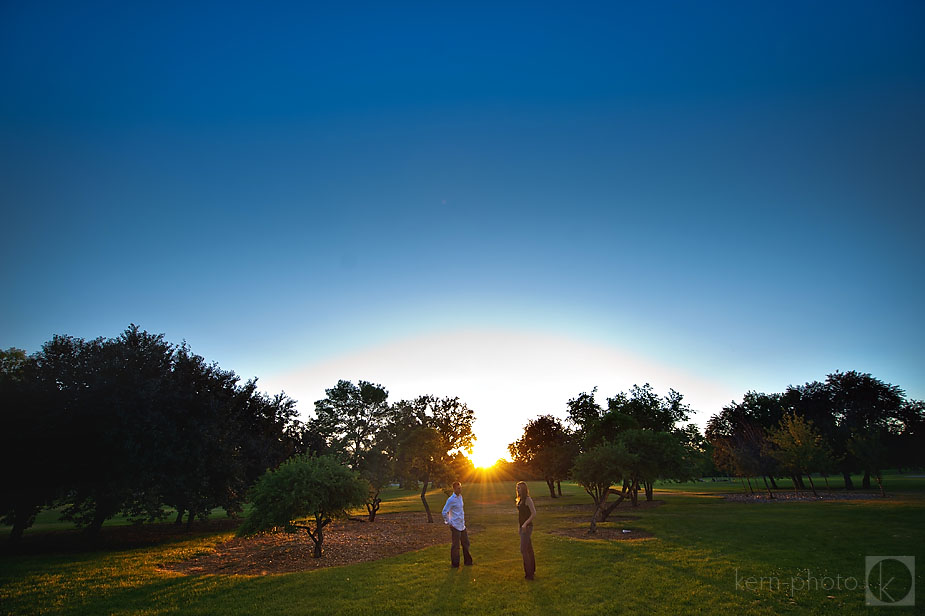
(583, 411)
(306, 493)
(597, 469)
(846, 407)
(350, 416)
(135, 425)
(648, 410)
(545, 447)
(798, 446)
(427, 435)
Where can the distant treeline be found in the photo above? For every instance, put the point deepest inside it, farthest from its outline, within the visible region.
(848, 424)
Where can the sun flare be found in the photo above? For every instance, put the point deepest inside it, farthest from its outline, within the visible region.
(483, 457)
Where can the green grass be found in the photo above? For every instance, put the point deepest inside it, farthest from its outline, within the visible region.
(701, 546)
(892, 482)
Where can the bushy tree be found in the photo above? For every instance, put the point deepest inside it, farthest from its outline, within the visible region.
(304, 493)
(599, 468)
(799, 447)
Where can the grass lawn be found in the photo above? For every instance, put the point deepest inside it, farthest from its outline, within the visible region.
(707, 556)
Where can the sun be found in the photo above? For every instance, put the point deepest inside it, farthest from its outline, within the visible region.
(483, 457)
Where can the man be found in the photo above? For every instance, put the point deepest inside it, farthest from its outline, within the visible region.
(455, 517)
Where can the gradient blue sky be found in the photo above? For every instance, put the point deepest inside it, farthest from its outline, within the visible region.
(724, 195)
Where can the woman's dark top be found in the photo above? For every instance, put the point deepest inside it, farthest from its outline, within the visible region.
(523, 511)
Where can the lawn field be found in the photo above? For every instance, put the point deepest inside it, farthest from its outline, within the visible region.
(705, 556)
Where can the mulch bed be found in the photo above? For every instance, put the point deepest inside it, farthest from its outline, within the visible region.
(784, 497)
(345, 542)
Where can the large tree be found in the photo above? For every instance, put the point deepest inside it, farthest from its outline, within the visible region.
(350, 416)
(545, 447)
(428, 432)
(862, 405)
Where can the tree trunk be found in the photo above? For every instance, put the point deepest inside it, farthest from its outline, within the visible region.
(634, 493)
(597, 507)
(849, 485)
(606, 512)
(773, 483)
(318, 535)
(552, 487)
(750, 488)
(189, 520)
(865, 483)
(179, 519)
(99, 516)
(373, 506)
(767, 487)
(22, 520)
(812, 485)
(430, 518)
(827, 486)
(319, 531)
(650, 490)
(559, 487)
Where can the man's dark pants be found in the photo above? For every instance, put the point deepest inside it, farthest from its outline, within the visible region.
(460, 537)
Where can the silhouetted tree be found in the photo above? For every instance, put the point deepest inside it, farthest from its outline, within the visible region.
(545, 446)
(30, 482)
(134, 424)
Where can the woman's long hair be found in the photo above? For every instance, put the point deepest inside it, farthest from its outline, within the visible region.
(517, 491)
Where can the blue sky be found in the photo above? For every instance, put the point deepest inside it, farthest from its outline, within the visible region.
(730, 194)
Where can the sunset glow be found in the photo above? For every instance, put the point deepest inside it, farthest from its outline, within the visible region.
(506, 377)
(485, 457)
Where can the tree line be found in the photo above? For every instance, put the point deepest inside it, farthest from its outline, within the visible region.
(139, 427)
(850, 423)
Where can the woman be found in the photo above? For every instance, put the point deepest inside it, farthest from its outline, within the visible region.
(526, 511)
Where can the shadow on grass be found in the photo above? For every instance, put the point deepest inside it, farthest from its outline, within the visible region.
(115, 538)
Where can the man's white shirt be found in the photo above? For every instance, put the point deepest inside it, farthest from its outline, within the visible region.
(453, 512)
